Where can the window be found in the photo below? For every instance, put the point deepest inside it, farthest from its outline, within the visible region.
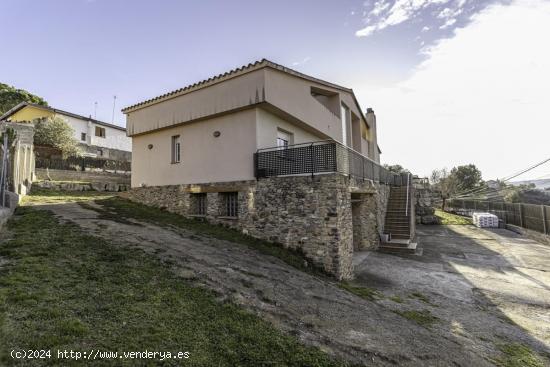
(230, 204)
(83, 136)
(199, 203)
(176, 149)
(284, 139)
(100, 131)
(99, 152)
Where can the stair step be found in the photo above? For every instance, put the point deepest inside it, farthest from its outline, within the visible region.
(400, 236)
(394, 248)
(397, 243)
(394, 231)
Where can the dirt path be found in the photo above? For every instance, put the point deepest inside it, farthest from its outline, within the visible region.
(315, 310)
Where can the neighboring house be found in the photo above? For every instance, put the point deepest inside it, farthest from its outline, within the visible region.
(276, 153)
(97, 138)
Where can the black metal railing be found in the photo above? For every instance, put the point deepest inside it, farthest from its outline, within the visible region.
(321, 157)
(83, 163)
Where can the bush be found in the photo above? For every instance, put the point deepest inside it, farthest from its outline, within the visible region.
(57, 133)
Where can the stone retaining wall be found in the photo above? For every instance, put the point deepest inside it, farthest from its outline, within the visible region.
(309, 214)
(81, 186)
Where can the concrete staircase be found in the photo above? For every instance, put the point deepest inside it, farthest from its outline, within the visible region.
(398, 222)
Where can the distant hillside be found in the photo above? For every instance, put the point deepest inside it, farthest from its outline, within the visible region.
(540, 184)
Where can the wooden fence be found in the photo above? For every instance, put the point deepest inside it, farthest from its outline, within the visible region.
(529, 216)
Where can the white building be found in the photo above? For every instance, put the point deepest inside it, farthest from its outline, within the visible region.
(97, 138)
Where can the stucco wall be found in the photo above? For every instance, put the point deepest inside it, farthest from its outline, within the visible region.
(79, 126)
(235, 93)
(114, 138)
(266, 130)
(288, 95)
(204, 158)
(30, 113)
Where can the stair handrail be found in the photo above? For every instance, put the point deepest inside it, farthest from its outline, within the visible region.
(408, 188)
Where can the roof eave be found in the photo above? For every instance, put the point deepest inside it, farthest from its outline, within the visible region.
(229, 75)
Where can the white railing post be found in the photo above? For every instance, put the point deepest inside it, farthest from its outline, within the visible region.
(544, 225)
(407, 202)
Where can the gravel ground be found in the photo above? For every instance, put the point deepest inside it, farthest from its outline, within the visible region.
(477, 306)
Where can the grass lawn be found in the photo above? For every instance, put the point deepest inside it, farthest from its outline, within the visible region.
(63, 289)
(45, 196)
(448, 218)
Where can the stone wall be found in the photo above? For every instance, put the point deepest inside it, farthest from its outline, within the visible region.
(311, 214)
(21, 167)
(426, 201)
(81, 186)
(108, 153)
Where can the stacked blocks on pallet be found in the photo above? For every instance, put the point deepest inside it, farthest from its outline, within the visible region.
(485, 220)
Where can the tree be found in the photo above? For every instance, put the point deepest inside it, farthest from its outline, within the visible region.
(10, 97)
(461, 179)
(396, 168)
(445, 183)
(56, 132)
(468, 177)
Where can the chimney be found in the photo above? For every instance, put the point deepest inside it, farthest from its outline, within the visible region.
(373, 143)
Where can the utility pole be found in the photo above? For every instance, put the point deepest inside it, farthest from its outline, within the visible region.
(95, 110)
(114, 103)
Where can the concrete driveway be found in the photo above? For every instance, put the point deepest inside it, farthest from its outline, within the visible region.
(486, 287)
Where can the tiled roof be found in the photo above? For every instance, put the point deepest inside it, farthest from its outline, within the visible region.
(229, 74)
(56, 110)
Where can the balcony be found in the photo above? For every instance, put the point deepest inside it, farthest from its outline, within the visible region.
(321, 157)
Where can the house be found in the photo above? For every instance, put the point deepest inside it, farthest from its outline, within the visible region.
(97, 138)
(278, 154)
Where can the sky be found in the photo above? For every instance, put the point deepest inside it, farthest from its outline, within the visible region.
(452, 82)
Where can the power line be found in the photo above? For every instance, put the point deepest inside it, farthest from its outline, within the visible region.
(490, 192)
(508, 178)
(527, 170)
